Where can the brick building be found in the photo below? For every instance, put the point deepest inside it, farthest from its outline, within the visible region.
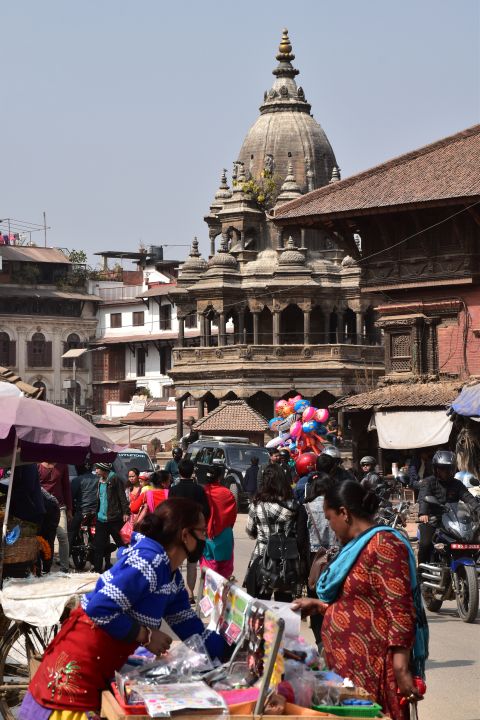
(418, 217)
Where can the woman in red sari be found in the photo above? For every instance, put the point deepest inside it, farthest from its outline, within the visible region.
(374, 630)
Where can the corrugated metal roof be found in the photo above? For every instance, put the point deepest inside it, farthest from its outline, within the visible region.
(22, 253)
(157, 290)
(32, 291)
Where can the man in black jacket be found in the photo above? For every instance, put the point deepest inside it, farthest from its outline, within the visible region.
(84, 497)
(112, 512)
(444, 488)
(189, 488)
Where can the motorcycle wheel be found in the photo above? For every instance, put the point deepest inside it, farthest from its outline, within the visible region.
(467, 593)
(79, 550)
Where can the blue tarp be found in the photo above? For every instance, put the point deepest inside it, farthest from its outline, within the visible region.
(468, 402)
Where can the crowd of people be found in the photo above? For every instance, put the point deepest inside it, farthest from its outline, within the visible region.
(364, 604)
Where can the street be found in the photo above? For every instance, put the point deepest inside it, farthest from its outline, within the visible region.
(453, 675)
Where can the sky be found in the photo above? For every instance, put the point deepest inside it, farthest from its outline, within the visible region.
(119, 115)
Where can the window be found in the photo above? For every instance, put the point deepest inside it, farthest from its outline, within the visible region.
(7, 350)
(39, 351)
(165, 360)
(166, 317)
(138, 318)
(401, 352)
(140, 362)
(191, 320)
(115, 320)
(73, 342)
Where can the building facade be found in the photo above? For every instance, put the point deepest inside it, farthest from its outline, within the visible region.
(137, 329)
(279, 311)
(44, 312)
(419, 224)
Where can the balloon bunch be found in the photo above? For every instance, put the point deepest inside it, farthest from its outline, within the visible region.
(301, 427)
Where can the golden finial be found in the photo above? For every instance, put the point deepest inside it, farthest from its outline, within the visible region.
(285, 48)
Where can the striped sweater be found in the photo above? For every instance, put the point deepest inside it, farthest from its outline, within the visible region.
(141, 589)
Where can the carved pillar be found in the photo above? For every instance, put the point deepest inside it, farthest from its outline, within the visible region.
(222, 330)
(241, 327)
(242, 240)
(181, 332)
(359, 327)
(255, 328)
(340, 327)
(326, 327)
(203, 339)
(302, 238)
(179, 404)
(276, 327)
(200, 409)
(279, 239)
(306, 327)
(212, 236)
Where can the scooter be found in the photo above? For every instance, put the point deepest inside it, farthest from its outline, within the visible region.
(453, 572)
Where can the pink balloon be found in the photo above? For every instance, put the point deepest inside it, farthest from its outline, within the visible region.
(309, 413)
(293, 400)
(296, 429)
(322, 415)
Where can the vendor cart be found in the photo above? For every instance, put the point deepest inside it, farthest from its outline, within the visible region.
(30, 615)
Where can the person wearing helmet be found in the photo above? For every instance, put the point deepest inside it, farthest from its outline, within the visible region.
(369, 478)
(305, 467)
(330, 462)
(172, 465)
(284, 463)
(443, 486)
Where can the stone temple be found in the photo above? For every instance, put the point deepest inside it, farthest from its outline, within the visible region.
(280, 310)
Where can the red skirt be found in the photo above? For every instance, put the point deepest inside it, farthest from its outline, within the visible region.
(78, 665)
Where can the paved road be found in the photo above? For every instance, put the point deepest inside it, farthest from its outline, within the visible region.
(454, 666)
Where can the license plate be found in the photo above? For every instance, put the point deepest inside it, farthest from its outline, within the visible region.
(458, 546)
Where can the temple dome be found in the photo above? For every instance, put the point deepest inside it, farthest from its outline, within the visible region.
(291, 255)
(286, 133)
(223, 259)
(195, 264)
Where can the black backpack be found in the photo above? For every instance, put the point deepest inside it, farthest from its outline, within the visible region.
(279, 567)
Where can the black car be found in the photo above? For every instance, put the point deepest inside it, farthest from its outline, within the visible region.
(233, 454)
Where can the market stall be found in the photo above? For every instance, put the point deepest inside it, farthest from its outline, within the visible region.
(272, 670)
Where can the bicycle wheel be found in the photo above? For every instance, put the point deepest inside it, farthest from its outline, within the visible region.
(18, 649)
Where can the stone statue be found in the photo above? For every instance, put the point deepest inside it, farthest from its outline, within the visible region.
(268, 164)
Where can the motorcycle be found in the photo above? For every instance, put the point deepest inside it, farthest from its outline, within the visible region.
(81, 549)
(394, 516)
(453, 570)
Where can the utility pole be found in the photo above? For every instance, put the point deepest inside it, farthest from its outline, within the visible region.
(74, 373)
(45, 227)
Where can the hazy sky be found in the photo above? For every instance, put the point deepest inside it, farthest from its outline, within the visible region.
(118, 115)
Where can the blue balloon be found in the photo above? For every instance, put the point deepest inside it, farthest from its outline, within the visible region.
(301, 405)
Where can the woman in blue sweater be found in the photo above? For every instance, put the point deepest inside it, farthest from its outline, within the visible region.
(125, 610)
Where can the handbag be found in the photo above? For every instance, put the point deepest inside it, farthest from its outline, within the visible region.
(320, 559)
(128, 528)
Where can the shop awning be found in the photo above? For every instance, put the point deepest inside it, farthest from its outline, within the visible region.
(408, 429)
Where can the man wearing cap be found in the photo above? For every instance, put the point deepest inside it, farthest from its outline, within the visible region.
(112, 512)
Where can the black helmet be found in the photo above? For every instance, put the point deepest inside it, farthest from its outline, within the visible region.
(284, 454)
(444, 459)
(177, 452)
(403, 478)
(368, 460)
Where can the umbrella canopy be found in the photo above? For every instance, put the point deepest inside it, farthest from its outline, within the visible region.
(468, 402)
(48, 432)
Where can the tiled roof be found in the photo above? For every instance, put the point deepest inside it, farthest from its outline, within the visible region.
(402, 395)
(446, 169)
(9, 376)
(150, 417)
(232, 416)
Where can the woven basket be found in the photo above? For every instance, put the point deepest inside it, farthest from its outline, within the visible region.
(26, 549)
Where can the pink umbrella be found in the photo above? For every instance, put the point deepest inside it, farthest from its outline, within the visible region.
(47, 432)
(42, 431)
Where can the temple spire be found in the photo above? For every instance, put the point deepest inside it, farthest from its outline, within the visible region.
(284, 90)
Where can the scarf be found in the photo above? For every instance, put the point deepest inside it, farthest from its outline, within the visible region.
(331, 582)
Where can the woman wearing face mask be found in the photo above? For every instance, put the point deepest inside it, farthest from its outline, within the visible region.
(124, 611)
